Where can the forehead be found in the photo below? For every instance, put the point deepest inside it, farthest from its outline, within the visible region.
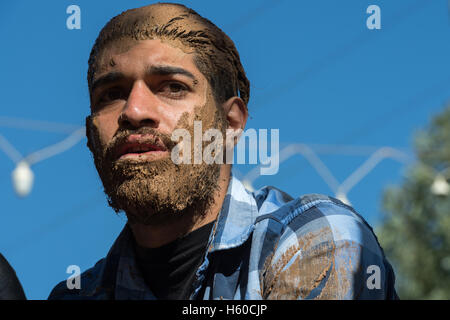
(131, 54)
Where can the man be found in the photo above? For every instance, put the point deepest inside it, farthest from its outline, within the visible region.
(193, 230)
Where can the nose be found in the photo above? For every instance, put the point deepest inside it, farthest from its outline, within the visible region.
(141, 108)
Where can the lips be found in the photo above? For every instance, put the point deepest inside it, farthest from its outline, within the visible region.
(136, 146)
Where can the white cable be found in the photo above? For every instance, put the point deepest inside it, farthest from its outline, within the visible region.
(57, 148)
(369, 165)
(9, 150)
(22, 176)
(19, 123)
(348, 150)
(309, 155)
(343, 188)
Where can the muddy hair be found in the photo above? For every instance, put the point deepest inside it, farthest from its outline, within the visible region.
(215, 56)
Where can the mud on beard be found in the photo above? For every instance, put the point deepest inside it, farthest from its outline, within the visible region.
(154, 193)
(157, 192)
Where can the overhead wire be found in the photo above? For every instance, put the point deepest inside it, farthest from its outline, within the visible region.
(29, 124)
(327, 60)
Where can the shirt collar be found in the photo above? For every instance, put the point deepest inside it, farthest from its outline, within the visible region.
(235, 221)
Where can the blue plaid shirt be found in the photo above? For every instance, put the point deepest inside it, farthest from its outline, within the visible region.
(264, 245)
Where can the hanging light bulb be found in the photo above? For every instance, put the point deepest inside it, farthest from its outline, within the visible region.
(22, 178)
(440, 186)
(343, 197)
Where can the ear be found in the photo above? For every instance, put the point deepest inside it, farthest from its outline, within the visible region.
(236, 113)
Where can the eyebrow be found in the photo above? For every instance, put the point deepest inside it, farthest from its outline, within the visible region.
(169, 70)
(106, 79)
(162, 70)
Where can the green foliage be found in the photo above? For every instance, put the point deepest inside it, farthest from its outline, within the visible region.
(415, 232)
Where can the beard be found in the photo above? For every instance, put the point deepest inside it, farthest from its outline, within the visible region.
(159, 191)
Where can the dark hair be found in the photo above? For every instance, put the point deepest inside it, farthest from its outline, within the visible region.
(216, 55)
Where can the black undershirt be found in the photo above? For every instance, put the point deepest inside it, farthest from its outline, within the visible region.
(169, 270)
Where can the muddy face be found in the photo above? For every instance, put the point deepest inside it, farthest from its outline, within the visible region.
(216, 54)
(144, 91)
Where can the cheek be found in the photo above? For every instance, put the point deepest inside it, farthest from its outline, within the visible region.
(201, 108)
(106, 126)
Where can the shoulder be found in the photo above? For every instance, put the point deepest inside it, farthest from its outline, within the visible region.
(89, 280)
(327, 219)
(314, 214)
(322, 249)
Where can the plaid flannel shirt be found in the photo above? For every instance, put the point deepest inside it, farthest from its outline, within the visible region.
(264, 245)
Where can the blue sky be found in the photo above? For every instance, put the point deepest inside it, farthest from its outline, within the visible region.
(317, 74)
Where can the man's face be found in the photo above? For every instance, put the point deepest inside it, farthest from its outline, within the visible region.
(140, 93)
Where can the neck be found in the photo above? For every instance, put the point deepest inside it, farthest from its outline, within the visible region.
(153, 236)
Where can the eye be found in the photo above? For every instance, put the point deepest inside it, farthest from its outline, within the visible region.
(174, 90)
(176, 87)
(112, 94)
